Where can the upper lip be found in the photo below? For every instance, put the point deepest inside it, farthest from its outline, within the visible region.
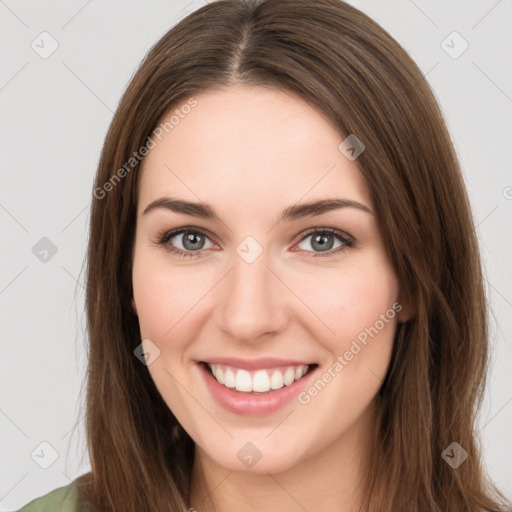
(254, 364)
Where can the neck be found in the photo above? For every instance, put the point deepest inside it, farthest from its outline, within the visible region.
(330, 480)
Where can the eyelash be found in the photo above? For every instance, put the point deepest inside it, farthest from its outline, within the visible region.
(165, 237)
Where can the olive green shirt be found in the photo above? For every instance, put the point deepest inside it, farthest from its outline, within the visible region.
(62, 499)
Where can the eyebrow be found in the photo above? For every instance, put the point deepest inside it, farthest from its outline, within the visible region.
(294, 212)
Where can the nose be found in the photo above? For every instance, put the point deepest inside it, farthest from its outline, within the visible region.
(253, 305)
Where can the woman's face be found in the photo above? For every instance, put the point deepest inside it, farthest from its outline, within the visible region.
(264, 294)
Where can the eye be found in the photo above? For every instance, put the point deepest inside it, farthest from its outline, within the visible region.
(324, 240)
(192, 241)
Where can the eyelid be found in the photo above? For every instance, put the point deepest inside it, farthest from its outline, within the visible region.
(163, 238)
(345, 238)
(326, 229)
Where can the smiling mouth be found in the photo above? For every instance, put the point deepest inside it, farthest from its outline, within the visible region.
(257, 382)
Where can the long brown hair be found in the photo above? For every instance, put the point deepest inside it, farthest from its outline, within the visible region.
(346, 65)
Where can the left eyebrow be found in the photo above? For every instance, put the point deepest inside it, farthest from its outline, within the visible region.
(299, 211)
(294, 212)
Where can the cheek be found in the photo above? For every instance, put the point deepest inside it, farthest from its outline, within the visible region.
(337, 305)
(351, 302)
(358, 309)
(166, 297)
(167, 301)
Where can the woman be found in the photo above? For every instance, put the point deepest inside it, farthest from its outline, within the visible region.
(284, 292)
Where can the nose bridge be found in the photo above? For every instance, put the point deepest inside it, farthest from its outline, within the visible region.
(253, 303)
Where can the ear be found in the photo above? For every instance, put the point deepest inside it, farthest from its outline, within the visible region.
(134, 306)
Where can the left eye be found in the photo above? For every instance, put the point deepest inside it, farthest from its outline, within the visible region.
(324, 239)
(193, 242)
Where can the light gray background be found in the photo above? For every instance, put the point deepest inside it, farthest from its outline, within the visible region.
(54, 115)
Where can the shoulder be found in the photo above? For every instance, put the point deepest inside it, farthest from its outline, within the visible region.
(63, 499)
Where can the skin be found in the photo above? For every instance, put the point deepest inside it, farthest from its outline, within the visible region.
(251, 152)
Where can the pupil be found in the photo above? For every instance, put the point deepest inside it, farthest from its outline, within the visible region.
(192, 239)
(321, 239)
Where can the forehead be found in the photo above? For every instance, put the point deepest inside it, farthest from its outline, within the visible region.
(253, 145)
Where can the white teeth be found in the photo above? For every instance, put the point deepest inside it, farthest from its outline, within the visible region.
(261, 381)
(276, 381)
(289, 376)
(219, 374)
(243, 381)
(229, 379)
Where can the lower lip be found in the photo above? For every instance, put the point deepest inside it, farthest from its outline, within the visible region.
(249, 404)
